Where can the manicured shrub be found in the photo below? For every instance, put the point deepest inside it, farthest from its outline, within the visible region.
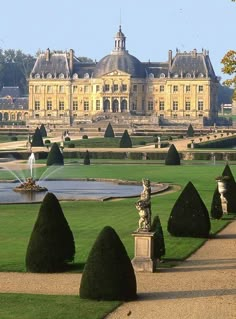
(71, 145)
(109, 131)
(55, 156)
(47, 142)
(51, 245)
(216, 207)
(108, 273)
(37, 140)
(43, 130)
(189, 216)
(172, 157)
(87, 158)
(231, 190)
(14, 138)
(190, 131)
(67, 139)
(85, 137)
(159, 242)
(125, 140)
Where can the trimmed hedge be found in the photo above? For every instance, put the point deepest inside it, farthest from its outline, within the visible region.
(108, 273)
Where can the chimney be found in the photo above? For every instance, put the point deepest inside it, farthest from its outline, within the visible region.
(170, 57)
(71, 58)
(47, 54)
(194, 53)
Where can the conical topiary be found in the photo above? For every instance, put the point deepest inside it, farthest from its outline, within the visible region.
(125, 140)
(43, 130)
(108, 273)
(55, 156)
(190, 131)
(159, 242)
(216, 207)
(231, 190)
(37, 140)
(51, 245)
(87, 158)
(172, 157)
(109, 131)
(189, 216)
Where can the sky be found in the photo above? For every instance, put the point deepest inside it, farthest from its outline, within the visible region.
(151, 27)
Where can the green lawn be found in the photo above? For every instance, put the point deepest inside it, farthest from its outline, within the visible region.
(23, 306)
(86, 219)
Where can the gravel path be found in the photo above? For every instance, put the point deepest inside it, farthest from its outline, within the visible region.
(202, 287)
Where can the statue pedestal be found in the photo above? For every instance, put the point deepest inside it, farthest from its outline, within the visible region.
(143, 260)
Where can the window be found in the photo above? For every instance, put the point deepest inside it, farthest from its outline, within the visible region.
(37, 76)
(75, 89)
(61, 105)
(97, 88)
(116, 87)
(151, 75)
(49, 76)
(86, 75)
(37, 89)
(75, 76)
(61, 89)
(75, 105)
(97, 105)
(37, 105)
(187, 105)
(200, 88)
(86, 106)
(150, 105)
(150, 88)
(161, 105)
(162, 75)
(61, 76)
(200, 105)
(188, 75)
(187, 88)
(49, 105)
(175, 88)
(187, 115)
(175, 105)
(86, 89)
(49, 89)
(107, 88)
(162, 88)
(175, 116)
(135, 88)
(124, 87)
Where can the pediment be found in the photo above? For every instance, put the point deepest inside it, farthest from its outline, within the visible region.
(117, 72)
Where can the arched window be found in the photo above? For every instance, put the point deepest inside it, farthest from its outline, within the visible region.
(75, 76)
(115, 106)
(151, 75)
(61, 76)
(49, 76)
(124, 105)
(176, 75)
(86, 76)
(162, 75)
(37, 76)
(188, 75)
(106, 106)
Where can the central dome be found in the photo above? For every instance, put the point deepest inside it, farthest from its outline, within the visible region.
(121, 60)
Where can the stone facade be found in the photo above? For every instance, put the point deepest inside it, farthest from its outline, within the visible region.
(64, 90)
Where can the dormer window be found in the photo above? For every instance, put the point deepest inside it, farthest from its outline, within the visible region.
(151, 75)
(162, 75)
(49, 76)
(75, 76)
(176, 75)
(188, 75)
(37, 76)
(86, 75)
(61, 76)
(201, 75)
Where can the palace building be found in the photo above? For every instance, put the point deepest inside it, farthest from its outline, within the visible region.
(63, 90)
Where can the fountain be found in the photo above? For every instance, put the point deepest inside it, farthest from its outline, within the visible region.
(29, 185)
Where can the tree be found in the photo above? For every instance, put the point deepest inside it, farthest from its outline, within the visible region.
(43, 130)
(229, 67)
(172, 157)
(159, 242)
(55, 156)
(125, 141)
(51, 245)
(109, 131)
(108, 273)
(231, 190)
(87, 158)
(190, 131)
(216, 207)
(189, 216)
(37, 139)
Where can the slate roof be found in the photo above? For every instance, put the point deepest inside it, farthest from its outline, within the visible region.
(57, 64)
(20, 103)
(13, 91)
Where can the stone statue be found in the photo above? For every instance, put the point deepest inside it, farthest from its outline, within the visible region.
(144, 207)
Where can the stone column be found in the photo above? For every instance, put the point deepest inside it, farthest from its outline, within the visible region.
(143, 260)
